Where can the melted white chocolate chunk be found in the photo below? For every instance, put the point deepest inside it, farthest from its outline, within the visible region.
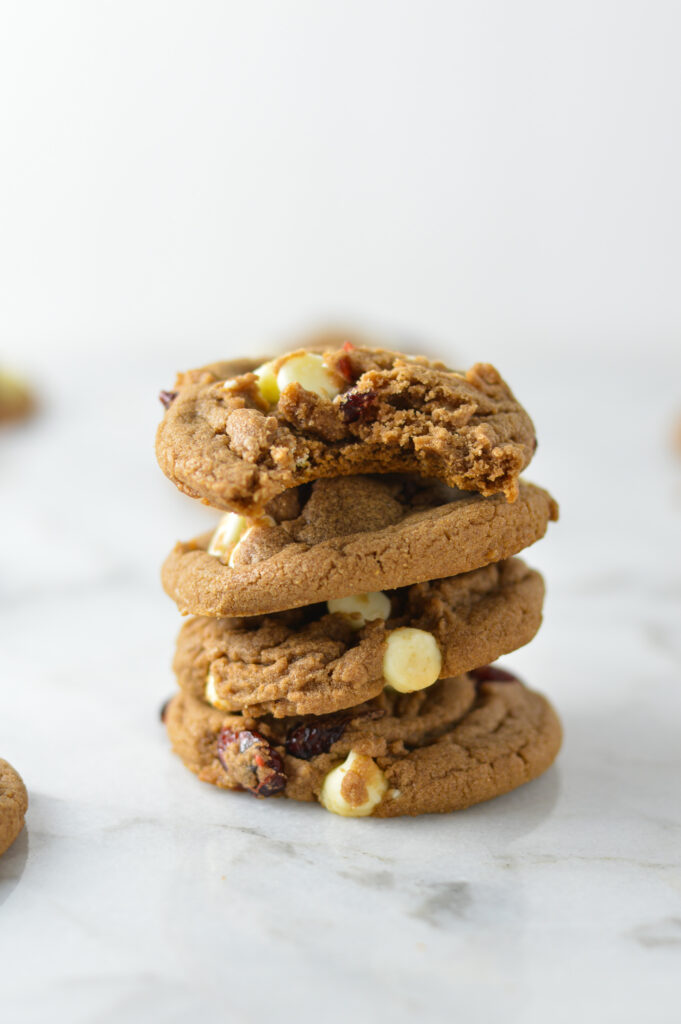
(211, 694)
(229, 531)
(267, 383)
(354, 788)
(361, 608)
(412, 660)
(310, 371)
(232, 556)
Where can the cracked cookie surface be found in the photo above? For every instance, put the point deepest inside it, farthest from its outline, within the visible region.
(308, 661)
(393, 413)
(354, 535)
(456, 744)
(13, 805)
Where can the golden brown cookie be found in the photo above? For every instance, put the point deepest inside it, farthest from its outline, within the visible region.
(677, 436)
(16, 400)
(13, 805)
(460, 742)
(352, 535)
(317, 660)
(238, 442)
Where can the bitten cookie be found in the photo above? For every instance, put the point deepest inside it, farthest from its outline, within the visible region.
(458, 743)
(323, 658)
(13, 805)
(349, 535)
(238, 442)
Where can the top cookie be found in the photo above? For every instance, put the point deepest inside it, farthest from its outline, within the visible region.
(237, 439)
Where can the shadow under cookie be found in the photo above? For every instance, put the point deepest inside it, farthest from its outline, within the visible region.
(311, 661)
(462, 741)
(354, 535)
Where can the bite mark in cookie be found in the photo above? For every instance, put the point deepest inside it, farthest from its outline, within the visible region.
(346, 412)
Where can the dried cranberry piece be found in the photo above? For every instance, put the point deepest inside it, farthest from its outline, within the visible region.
(344, 366)
(358, 405)
(309, 739)
(251, 761)
(491, 674)
(312, 738)
(163, 710)
(166, 398)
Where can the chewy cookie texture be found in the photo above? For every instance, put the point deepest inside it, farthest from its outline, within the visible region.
(444, 748)
(349, 535)
(327, 657)
(238, 442)
(361, 576)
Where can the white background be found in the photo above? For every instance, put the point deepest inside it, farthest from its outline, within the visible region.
(486, 173)
(184, 181)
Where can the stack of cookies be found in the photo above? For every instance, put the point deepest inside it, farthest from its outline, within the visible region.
(349, 604)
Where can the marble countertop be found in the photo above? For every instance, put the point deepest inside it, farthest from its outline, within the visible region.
(135, 893)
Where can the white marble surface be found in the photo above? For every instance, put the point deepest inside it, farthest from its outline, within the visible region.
(137, 894)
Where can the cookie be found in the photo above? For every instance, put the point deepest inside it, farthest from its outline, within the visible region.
(462, 741)
(236, 442)
(320, 659)
(351, 535)
(13, 805)
(677, 436)
(16, 400)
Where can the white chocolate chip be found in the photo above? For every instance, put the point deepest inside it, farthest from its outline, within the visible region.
(232, 555)
(354, 788)
(226, 537)
(310, 371)
(361, 608)
(211, 694)
(267, 383)
(412, 660)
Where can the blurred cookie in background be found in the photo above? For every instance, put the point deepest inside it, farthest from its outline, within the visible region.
(13, 805)
(16, 398)
(331, 335)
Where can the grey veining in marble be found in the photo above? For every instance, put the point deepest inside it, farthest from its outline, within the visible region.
(138, 894)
